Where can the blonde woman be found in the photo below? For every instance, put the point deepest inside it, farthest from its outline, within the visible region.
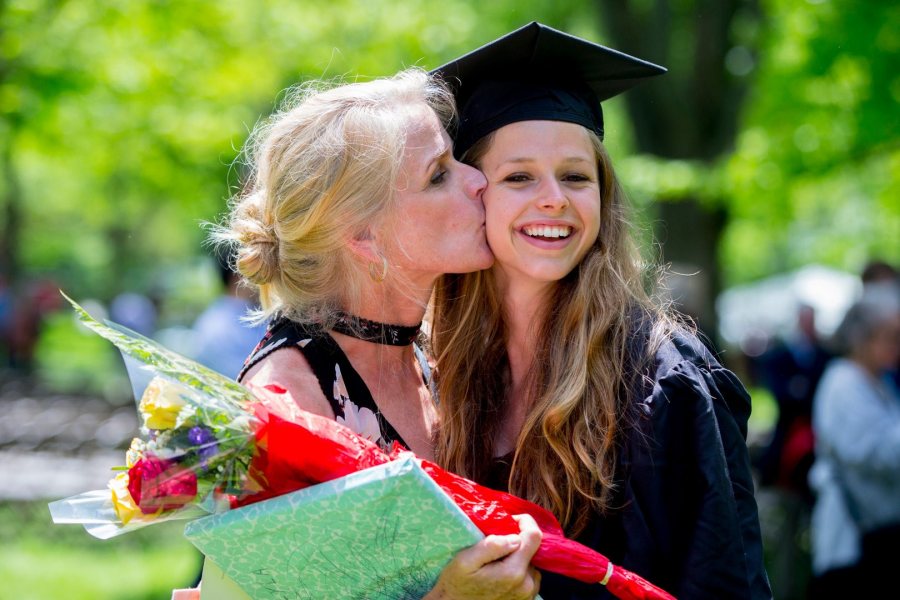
(559, 379)
(355, 207)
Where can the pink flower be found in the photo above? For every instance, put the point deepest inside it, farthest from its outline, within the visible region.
(156, 484)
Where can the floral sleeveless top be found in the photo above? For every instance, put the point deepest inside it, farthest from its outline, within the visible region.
(344, 389)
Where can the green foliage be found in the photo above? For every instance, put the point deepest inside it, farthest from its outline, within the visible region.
(121, 124)
(815, 175)
(764, 412)
(71, 359)
(124, 119)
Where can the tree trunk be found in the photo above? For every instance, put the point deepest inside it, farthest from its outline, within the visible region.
(690, 113)
(11, 220)
(689, 234)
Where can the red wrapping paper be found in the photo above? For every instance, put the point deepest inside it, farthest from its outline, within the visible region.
(492, 512)
(308, 449)
(311, 449)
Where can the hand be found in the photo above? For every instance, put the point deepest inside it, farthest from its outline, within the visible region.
(496, 568)
(186, 594)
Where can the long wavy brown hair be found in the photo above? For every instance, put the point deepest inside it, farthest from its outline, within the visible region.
(565, 454)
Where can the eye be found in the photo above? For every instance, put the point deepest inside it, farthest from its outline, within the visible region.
(439, 177)
(517, 178)
(577, 177)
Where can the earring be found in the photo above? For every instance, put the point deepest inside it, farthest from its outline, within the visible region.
(378, 277)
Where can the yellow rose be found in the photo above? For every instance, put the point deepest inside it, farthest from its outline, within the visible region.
(122, 501)
(161, 404)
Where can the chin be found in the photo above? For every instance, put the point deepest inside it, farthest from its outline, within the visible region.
(485, 260)
(479, 264)
(487, 263)
(549, 273)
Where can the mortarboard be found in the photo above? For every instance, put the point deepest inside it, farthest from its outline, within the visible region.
(537, 73)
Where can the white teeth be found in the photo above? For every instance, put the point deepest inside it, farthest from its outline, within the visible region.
(547, 231)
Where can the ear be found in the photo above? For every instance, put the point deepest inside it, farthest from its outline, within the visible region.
(363, 246)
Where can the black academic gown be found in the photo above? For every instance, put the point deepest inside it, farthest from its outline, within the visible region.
(687, 519)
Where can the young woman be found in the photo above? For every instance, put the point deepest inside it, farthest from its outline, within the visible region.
(356, 206)
(559, 379)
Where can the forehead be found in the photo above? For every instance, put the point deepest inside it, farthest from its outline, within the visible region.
(425, 137)
(422, 125)
(543, 138)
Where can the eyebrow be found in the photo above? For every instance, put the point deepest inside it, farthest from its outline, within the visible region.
(436, 157)
(525, 159)
(443, 151)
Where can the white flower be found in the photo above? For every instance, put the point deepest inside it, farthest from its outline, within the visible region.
(361, 420)
(339, 390)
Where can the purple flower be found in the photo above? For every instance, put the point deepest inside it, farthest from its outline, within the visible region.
(204, 442)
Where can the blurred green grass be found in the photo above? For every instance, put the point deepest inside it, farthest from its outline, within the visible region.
(40, 560)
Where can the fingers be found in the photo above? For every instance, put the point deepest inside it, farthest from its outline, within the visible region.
(515, 550)
(536, 581)
(515, 572)
(496, 568)
(500, 566)
(530, 535)
(530, 585)
(530, 532)
(490, 549)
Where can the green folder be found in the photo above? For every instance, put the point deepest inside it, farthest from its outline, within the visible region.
(382, 533)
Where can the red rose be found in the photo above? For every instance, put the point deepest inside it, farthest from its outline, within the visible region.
(156, 484)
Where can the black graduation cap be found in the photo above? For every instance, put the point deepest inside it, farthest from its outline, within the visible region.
(537, 73)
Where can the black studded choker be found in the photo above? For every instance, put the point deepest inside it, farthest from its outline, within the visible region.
(373, 331)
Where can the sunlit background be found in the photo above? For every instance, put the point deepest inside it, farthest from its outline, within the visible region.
(765, 167)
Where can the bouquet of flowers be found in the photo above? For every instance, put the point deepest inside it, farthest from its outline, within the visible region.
(195, 450)
(209, 444)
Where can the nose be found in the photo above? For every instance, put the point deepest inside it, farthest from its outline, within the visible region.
(475, 182)
(551, 196)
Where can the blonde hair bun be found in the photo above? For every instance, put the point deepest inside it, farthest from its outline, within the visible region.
(257, 252)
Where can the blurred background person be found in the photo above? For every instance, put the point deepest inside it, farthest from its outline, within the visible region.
(791, 370)
(877, 271)
(23, 318)
(856, 474)
(223, 338)
(135, 311)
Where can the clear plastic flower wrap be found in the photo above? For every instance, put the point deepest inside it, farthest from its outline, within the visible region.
(208, 444)
(195, 448)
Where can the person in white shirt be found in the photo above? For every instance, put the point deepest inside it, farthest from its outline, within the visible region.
(856, 475)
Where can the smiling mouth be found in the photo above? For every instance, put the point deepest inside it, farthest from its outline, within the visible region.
(548, 232)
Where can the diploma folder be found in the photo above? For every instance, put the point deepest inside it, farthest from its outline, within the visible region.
(382, 533)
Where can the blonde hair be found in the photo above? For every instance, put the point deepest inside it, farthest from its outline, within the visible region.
(323, 168)
(565, 454)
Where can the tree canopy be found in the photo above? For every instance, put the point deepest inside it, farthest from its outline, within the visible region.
(120, 122)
